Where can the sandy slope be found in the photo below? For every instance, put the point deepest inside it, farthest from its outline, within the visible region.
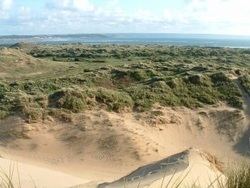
(103, 146)
(244, 144)
(189, 168)
(29, 176)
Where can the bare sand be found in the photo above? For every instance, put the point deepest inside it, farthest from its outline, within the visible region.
(29, 176)
(100, 146)
(190, 168)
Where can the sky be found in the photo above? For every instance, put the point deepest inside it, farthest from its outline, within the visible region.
(20, 17)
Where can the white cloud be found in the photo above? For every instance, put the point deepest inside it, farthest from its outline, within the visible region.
(213, 16)
(83, 5)
(230, 11)
(196, 16)
(76, 5)
(143, 15)
(24, 13)
(5, 6)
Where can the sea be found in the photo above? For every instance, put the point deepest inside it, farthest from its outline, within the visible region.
(201, 40)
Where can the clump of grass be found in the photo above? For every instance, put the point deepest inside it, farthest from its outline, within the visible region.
(73, 99)
(3, 90)
(113, 100)
(138, 75)
(33, 114)
(10, 178)
(142, 97)
(3, 114)
(239, 177)
(245, 82)
(219, 77)
(228, 90)
(3, 110)
(196, 79)
(27, 107)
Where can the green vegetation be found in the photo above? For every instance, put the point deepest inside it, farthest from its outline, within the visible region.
(114, 100)
(245, 82)
(57, 79)
(239, 178)
(71, 99)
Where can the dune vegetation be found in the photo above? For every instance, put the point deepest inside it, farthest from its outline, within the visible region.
(37, 80)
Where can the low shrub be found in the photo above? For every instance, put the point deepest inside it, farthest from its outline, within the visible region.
(3, 90)
(113, 100)
(228, 90)
(72, 99)
(142, 74)
(245, 82)
(219, 78)
(3, 114)
(32, 115)
(27, 107)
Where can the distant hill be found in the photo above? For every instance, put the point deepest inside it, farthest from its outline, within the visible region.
(51, 36)
(22, 45)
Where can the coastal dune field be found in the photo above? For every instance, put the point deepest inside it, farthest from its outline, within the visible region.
(100, 116)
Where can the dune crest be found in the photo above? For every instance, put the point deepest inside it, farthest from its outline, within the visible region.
(188, 169)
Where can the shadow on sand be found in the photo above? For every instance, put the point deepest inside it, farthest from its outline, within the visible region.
(243, 146)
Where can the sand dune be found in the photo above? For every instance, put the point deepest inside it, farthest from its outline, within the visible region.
(189, 168)
(100, 146)
(29, 176)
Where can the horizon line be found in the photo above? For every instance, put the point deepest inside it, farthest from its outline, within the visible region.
(75, 34)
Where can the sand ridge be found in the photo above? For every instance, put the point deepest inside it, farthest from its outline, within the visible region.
(188, 168)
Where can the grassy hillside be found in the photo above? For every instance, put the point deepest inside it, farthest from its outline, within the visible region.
(36, 81)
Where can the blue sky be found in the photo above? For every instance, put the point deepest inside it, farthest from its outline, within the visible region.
(124, 16)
